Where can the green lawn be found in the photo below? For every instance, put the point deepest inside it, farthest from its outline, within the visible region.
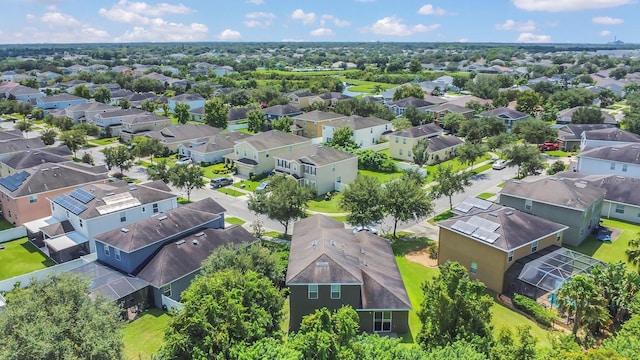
(382, 177)
(560, 153)
(441, 217)
(479, 169)
(20, 257)
(504, 317)
(610, 251)
(485, 195)
(457, 166)
(105, 141)
(171, 160)
(209, 171)
(321, 205)
(144, 336)
(341, 218)
(234, 220)
(183, 201)
(231, 192)
(4, 224)
(248, 184)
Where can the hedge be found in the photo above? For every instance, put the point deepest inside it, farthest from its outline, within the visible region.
(531, 307)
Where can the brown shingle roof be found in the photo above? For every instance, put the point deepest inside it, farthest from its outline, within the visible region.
(356, 122)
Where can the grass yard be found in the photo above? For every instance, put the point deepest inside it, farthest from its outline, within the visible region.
(441, 217)
(171, 160)
(382, 177)
(248, 185)
(234, 220)
(144, 336)
(231, 192)
(479, 169)
(457, 166)
(183, 201)
(321, 205)
(4, 224)
(213, 171)
(341, 218)
(560, 153)
(20, 257)
(504, 317)
(105, 141)
(610, 251)
(485, 195)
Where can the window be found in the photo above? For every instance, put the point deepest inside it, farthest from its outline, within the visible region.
(534, 246)
(404, 140)
(333, 167)
(396, 139)
(620, 209)
(107, 251)
(473, 268)
(371, 132)
(312, 292)
(382, 321)
(339, 179)
(33, 199)
(155, 208)
(510, 256)
(400, 151)
(558, 237)
(409, 153)
(116, 253)
(613, 166)
(123, 216)
(81, 224)
(166, 290)
(335, 291)
(528, 204)
(624, 167)
(144, 209)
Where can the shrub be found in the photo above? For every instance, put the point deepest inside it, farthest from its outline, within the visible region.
(531, 307)
(556, 167)
(433, 252)
(375, 161)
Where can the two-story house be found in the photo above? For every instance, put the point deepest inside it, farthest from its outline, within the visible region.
(20, 92)
(311, 122)
(24, 160)
(570, 135)
(324, 168)
(193, 100)
(367, 131)
(488, 240)
(565, 116)
(400, 106)
(59, 101)
(24, 195)
(191, 134)
(573, 203)
(275, 112)
(330, 99)
(13, 146)
(510, 116)
(301, 98)
(440, 111)
(440, 148)
(86, 112)
(114, 119)
(330, 266)
(610, 136)
(623, 160)
(256, 154)
(140, 123)
(214, 150)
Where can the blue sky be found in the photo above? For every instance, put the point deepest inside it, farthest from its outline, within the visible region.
(527, 21)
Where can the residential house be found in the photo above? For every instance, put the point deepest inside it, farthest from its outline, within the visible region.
(570, 135)
(400, 106)
(7, 135)
(94, 209)
(212, 151)
(60, 101)
(573, 203)
(401, 142)
(117, 95)
(607, 137)
(197, 114)
(86, 112)
(565, 116)
(310, 123)
(367, 131)
(440, 111)
(237, 114)
(330, 99)
(12, 146)
(136, 99)
(338, 65)
(466, 99)
(488, 240)
(20, 92)
(277, 111)
(301, 98)
(15, 163)
(623, 160)
(193, 100)
(509, 116)
(325, 168)
(124, 70)
(114, 119)
(25, 193)
(330, 266)
(256, 154)
(141, 123)
(191, 134)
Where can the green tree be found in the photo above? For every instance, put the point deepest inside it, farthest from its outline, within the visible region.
(587, 115)
(73, 139)
(88, 159)
(460, 81)
(506, 347)
(145, 84)
(165, 109)
(265, 348)
(216, 113)
(452, 122)
(48, 136)
(471, 131)
(607, 97)
(549, 113)
(484, 86)
(146, 146)
(285, 202)
(160, 171)
(414, 116)
(626, 341)
(119, 157)
(633, 252)
(56, 319)
(30, 82)
(420, 152)
(82, 91)
(124, 104)
(448, 182)
(283, 124)
(468, 153)
(242, 258)
(571, 98)
(535, 131)
(187, 178)
(342, 139)
(362, 199)
(37, 113)
(529, 101)
(499, 141)
(527, 158)
(556, 167)
(102, 94)
(415, 66)
(491, 126)
(406, 91)
(24, 126)
(149, 106)
(581, 298)
(256, 120)
(619, 288)
(221, 310)
(181, 110)
(405, 200)
(454, 308)
(401, 123)
(631, 87)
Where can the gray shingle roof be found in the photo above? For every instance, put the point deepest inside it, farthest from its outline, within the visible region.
(617, 188)
(282, 110)
(318, 115)
(612, 134)
(562, 192)
(441, 142)
(420, 131)
(629, 153)
(121, 113)
(61, 97)
(273, 139)
(574, 131)
(411, 102)
(317, 155)
(182, 133)
(608, 118)
(187, 97)
(29, 159)
(220, 142)
(504, 112)
(451, 107)
(15, 145)
(356, 122)
(239, 113)
(10, 135)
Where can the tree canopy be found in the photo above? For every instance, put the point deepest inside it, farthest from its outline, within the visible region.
(587, 115)
(362, 199)
(448, 182)
(216, 113)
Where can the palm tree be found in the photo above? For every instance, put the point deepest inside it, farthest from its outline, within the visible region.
(633, 252)
(580, 296)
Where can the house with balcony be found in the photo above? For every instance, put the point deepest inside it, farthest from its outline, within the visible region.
(142, 123)
(622, 160)
(59, 101)
(610, 136)
(256, 154)
(310, 123)
(324, 168)
(330, 266)
(367, 131)
(573, 203)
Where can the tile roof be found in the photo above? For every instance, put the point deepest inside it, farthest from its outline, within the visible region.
(557, 191)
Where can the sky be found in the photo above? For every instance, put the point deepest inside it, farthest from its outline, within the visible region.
(509, 21)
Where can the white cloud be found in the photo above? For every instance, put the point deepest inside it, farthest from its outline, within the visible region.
(394, 26)
(259, 19)
(567, 5)
(229, 35)
(604, 33)
(607, 20)
(337, 22)
(533, 38)
(256, 2)
(306, 18)
(159, 30)
(510, 24)
(322, 32)
(463, 40)
(294, 40)
(60, 19)
(30, 17)
(431, 10)
(147, 10)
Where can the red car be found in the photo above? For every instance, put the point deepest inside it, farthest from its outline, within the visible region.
(548, 146)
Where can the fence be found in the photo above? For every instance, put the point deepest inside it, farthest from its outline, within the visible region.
(378, 147)
(403, 166)
(40, 275)
(171, 304)
(12, 234)
(236, 127)
(3, 302)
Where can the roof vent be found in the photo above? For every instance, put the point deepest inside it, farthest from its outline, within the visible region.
(133, 188)
(553, 178)
(55, 168)
(494, 214)
(124, 230)
(614, 149)
(333, 243)
(619, 177)
(361, 251)
(364, 262)
(322, 264)
(109, 194)
(194, 241)
(180, 242)
(199, 234)
(517, 182)
(508, 212)
(314, 243)
(163, 217)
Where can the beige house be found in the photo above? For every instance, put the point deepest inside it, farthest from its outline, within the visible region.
(190, 134)
(256, 154)
(301, 98)
(311, 122)
(133, 126)
(24, 160)
(325, 168)
(86, 112)
(401, 142)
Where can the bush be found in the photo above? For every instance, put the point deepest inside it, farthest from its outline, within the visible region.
(375, 161)
(556, 167)
(531, 307)
(221, 169)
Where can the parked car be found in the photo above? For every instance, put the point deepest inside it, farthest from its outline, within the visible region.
(368, 228)
(548, 146)
(184, 160)
(499, 164)
(220, 182)
(262, 187)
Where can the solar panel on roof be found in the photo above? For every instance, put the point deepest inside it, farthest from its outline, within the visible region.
(83, 195)
(463, 207)
(464, 227)
(479, 203)
(485, 235)
(484, 223)
(13, 182)
(70, 204)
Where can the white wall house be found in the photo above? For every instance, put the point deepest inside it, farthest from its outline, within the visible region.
(607, 137)
(367, 131)
(622, 160)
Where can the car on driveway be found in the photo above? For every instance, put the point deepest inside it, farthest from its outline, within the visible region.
(367, 228)
(548, 146)
(184, 161)
(499, 164)
(221, 182)
(262, 187)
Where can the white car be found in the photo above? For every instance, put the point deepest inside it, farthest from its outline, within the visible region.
(499, 164)
(184, 161)
(370, 229)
